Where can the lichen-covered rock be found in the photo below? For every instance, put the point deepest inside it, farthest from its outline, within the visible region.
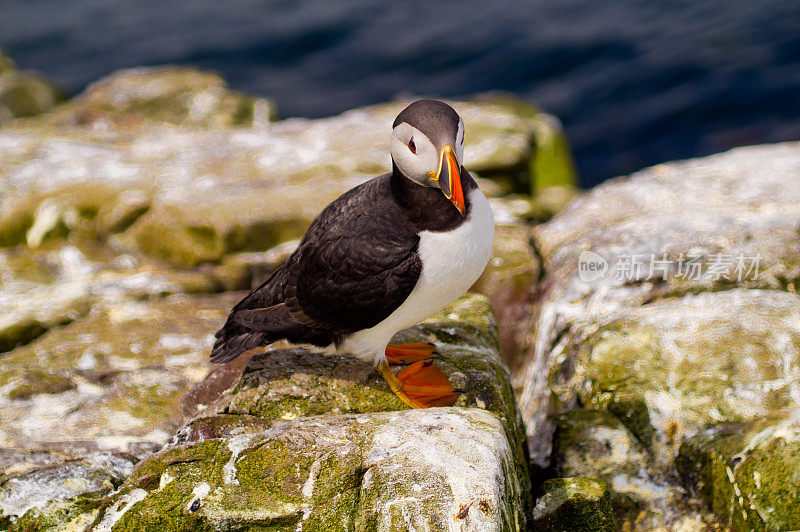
(57, 487)
(673, 368)
(188, 195)
(747, 473)
(552, 164)
(594, 443)
(511, 275)
(172, 94)
(297, 441)
(54, 285)
(433, 469)
(574, 504)
(744, 203)
(115, 377)
(668, 304)
(159, 183)
(550, 201)
(25, 94)
(6, 63)
(288, 383)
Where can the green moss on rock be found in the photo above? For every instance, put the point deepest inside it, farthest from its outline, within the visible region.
(117, 375)
(19, 333)
(14, 225)
(188, 235)
(747, 473)
(594, 443)
(575, 504)
(6, 63)
(719, 357)
(356, 472)
(37, 381)
(551, 163)
(24, 94)
(169, 94)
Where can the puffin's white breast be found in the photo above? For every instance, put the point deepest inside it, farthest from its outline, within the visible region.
(451, 262)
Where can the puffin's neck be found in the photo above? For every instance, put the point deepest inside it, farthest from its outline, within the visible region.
(426, 207)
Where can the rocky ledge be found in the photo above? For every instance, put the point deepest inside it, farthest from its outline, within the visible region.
(132, 217)
(288, 438)
(666, 355)
(651, 329)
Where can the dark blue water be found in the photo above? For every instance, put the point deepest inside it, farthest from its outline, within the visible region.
(636, 82)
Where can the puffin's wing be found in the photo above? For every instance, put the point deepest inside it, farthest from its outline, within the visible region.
(354, 267)
(352, 283)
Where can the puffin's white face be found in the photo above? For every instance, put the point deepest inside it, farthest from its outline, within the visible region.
(417, 156)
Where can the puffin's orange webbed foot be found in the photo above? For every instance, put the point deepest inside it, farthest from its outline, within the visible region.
(420, 385)
(401, 354)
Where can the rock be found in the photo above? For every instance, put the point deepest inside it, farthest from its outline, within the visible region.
(667, 306)
(171, 94)
(290, 383)
(552, 165)
(56, 284)
(25, 94)
(303, 442)
(190, 196)
(574, 504)
(6, 63)
(115, 377)
(511, 275)
(124, 211)
(673, 368)
(550, 201)
(369, 471)
(58, 487)
(747, 473)
(594, 443)
(738, 204)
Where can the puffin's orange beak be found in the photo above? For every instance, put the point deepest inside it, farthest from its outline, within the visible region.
(449, 178)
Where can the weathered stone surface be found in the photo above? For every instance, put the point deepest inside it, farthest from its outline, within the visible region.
(151, 169)
(511, 276)
(6, 63)
(115, 377)
(594, 443)
(173, 94)
(57, 487)
(54, 285)
(434, 469)
(552, 164)
(672, 368)
(290, 383)
(667, 354)
(740, 203)
(579, 504)
(747, 473)
(551, 200)
(303, 442)
(189, 195)
(24, 93)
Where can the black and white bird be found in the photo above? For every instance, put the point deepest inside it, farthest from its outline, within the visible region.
(382, 257)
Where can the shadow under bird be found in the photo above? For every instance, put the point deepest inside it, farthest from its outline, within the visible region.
(382, 257)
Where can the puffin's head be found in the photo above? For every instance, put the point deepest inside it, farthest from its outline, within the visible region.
(427, 145)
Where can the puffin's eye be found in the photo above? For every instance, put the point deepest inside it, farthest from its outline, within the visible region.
(412, 146)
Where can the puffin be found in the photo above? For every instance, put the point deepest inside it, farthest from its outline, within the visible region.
(382, 257)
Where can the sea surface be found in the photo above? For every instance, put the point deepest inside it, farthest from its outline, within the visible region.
(635, 82)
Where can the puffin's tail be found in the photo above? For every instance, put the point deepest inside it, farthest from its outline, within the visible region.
(233, 341)
(236, 337)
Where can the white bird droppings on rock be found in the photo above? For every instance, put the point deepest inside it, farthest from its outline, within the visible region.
(119, 508)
